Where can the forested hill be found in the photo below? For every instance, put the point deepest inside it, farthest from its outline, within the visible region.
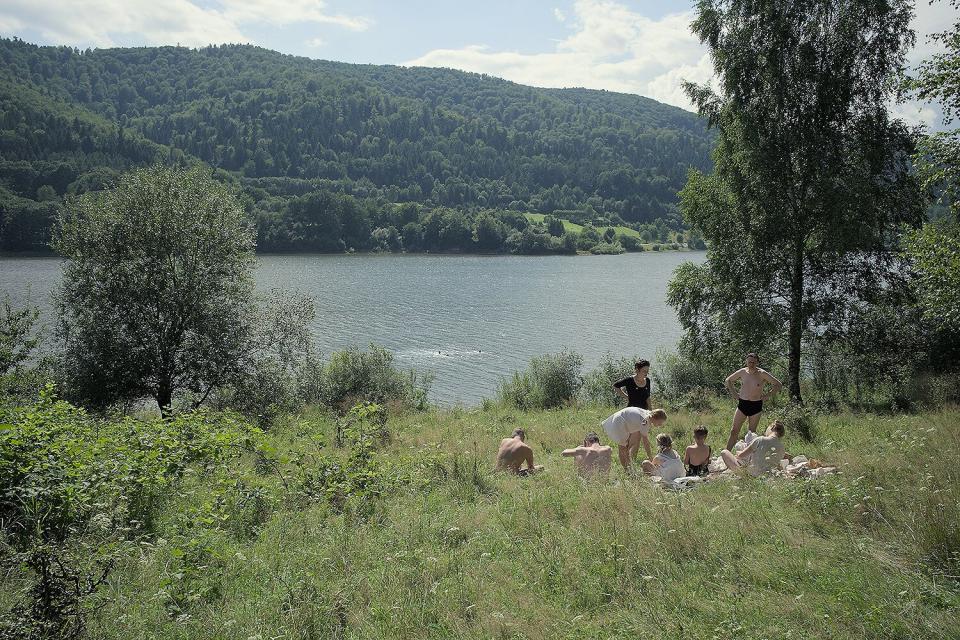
(301, 134)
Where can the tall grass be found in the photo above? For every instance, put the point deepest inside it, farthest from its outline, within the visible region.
(445, 548)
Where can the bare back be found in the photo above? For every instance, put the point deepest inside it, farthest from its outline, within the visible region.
(512, 453)
(593, 461)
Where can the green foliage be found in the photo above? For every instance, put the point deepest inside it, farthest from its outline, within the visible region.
(77, 492)
(934, 252)
(937, 79)
(352, 375)
(598, 382)
(798, 419)
(280, 369)
(360, 477)
(550, 381)
(297, 133)
(156, 290)
(604, 248)
(811, 180)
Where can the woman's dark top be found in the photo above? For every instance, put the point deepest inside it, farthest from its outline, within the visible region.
(636, 396)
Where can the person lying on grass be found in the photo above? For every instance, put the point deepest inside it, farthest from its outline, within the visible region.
(666, 463)
(697, 456)
(592, 459)
(630, 427)
(513, 452)
(763, 454)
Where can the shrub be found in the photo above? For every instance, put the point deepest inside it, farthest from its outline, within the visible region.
(677, 376)
(550, 381)
(798, 420)
(607, 248)
(598, 382)
(353, 375)
(74, 491)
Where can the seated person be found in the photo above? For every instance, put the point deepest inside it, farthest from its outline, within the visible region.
(591, 458)
(629, 427)
(514, 452)
(763, 454)
(697, 456)
(666, 463)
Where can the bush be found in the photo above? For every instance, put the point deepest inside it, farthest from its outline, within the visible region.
(598, 383)
(607, 249)
(550, 381)
(353, 375)
(677, 377)
(798, 419)
(75, 492)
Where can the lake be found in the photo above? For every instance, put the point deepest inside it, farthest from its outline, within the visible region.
(471, 320)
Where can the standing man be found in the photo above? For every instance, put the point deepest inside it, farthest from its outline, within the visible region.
(591, 458)
(636, 388)
(513, 452)
(750, 399)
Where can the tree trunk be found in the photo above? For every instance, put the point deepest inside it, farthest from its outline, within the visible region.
(165, 398)
(796, 322)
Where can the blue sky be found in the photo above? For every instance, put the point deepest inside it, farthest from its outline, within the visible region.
(635, 46)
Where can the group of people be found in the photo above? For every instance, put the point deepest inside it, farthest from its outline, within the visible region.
(630, 427)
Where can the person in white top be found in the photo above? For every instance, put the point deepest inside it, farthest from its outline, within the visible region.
(630, 427)
(763, 454)
(666, 464)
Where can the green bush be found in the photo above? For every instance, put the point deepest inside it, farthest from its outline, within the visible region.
(550, 381)
(75, 491)
(798, 419)
(353, 375)
(598, 382)
(677, 377)
(607, 248)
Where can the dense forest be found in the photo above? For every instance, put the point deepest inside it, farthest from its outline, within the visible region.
(332, 156)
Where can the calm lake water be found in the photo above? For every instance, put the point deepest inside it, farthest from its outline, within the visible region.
(472, 320)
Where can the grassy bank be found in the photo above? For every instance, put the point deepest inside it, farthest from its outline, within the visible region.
(403, 532)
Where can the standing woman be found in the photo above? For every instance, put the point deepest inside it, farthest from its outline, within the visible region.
(636, 389)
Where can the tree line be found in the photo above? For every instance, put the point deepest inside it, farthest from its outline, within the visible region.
(280, 126)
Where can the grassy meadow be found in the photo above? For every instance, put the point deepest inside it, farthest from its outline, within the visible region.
(417, 538)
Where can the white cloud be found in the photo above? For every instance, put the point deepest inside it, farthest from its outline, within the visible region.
(106, 23)
(315, 43)
(611, 47)
(559, 15)
(616, 48)
(284, 12)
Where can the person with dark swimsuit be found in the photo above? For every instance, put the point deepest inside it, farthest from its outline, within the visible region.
(696, 451)
(754, 382)
(636, 388)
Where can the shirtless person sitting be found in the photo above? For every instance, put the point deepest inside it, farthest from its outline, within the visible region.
(751, 396)
(591, 458)
(513, 452)
(763, 454)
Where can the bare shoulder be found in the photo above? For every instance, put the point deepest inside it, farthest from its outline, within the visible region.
(691, 447)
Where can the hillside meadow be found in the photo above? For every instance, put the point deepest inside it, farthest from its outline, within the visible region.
(391, 524)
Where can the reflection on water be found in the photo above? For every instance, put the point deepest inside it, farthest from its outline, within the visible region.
(470, 319)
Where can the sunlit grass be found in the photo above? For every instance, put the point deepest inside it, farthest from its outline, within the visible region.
(462, 552)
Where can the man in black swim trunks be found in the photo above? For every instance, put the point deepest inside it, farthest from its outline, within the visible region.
(750, 399)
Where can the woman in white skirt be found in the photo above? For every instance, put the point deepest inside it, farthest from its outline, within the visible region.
(630, 427)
